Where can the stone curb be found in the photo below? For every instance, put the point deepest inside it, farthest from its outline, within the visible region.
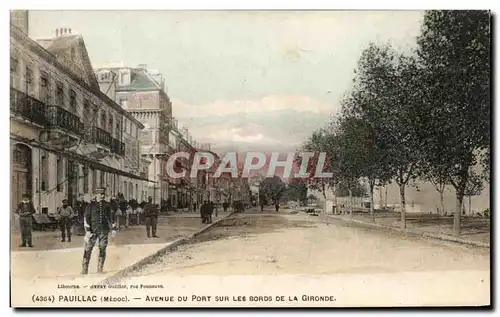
(114, 278)
(416, 232)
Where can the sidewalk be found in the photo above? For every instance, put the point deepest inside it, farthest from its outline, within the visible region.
(474, 232)
(52, 258)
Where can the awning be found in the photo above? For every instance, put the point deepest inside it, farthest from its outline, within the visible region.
(79, 158)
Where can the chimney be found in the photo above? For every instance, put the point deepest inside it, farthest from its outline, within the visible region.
(69, 30)
(57, 32)
(65, 31)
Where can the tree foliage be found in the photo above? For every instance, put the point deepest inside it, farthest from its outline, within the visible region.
(422, 115)
(272, 188)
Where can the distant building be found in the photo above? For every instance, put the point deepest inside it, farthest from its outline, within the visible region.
(142, 93)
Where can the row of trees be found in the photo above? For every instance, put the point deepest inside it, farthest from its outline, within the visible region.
(422, 115)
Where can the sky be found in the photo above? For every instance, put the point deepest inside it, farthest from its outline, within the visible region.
(243, 81)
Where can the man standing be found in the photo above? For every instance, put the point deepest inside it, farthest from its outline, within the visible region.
(98, 223)
(210, 211)
(66, 214)
(204, 211)
(151, 217)
(25, 210)
(277, 205)
(261, 206)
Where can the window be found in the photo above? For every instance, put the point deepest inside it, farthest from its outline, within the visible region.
(136, 189)
(45, 171)
(29, 80)
(103, 120)
(123, 102)
(145, 137)
(72, 101)
(60, 94)
(102, 182)
(125, 189)
(59, 173)
(87, 112)
(110, 124)
(85, 179)
(94, 179)
(44, 87)
(14, 72)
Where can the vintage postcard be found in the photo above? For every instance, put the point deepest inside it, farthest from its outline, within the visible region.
(250, 158)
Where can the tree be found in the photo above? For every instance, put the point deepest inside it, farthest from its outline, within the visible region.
(454, 51)
(382, 124)
(273, 188)
(322, 140)
(474, 187)
(295, 190)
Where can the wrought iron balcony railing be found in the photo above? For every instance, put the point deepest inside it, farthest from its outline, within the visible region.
(99, 136)
(27, 107)
(61, 118)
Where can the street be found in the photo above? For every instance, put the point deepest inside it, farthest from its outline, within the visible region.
(277, 243)
(284, 243)
(273, 253)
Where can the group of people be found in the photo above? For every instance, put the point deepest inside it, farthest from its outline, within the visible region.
(101, 217)
(96, 219)
(206, 211)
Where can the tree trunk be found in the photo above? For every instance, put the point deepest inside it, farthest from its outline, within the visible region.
(335, 199)
(457, 215)
(380, 193)
(350, 202)
(403, 205)
(372, 211)
(470, 206)
(441, 199)
(385, 202)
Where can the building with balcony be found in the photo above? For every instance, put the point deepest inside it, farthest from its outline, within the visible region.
(66, 135)
(142, 93)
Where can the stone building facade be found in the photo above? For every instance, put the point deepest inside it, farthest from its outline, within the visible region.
(66, 135)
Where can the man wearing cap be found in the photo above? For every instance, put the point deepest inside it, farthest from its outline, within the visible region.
(98, 223)
(25, 210)
(66, 214)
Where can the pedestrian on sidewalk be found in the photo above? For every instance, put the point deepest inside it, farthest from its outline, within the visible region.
(204, 212)
(151, 215)
(213, 208)
(277, 206)
(66, 215)
(262, 206)
(25, 210)
(225, 205)
(98, 224)
(123, 211)
(210, 210)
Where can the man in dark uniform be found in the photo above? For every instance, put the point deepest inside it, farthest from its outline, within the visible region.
(25, 210)
(98, 223)
(151, 215)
